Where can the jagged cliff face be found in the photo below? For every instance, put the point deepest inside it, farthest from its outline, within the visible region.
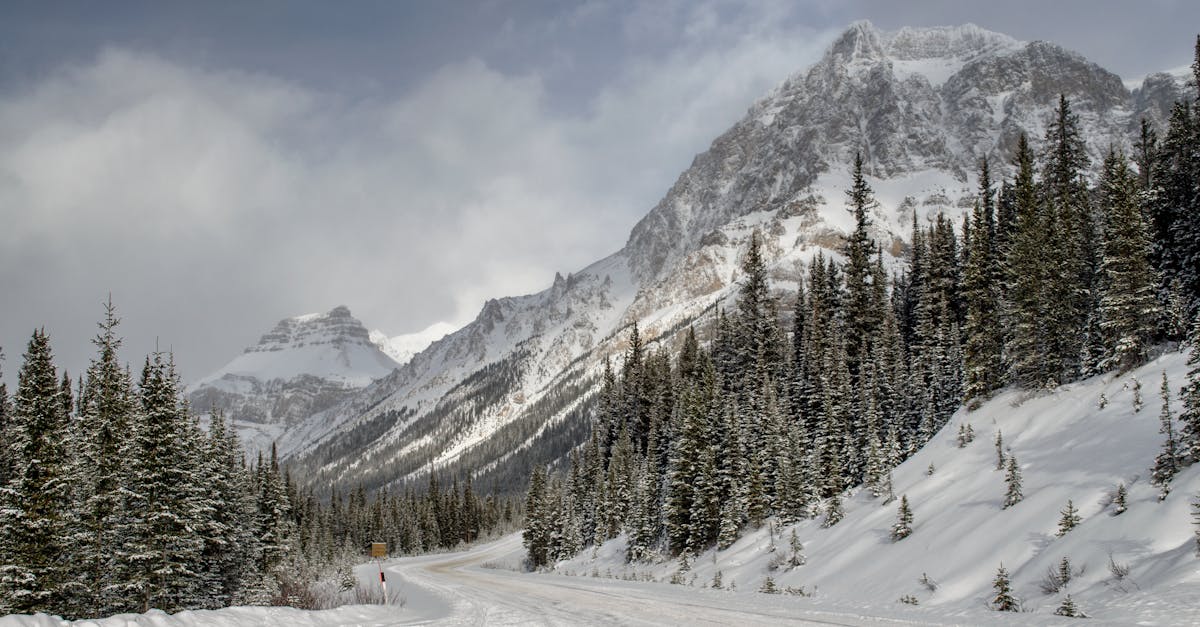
(302, 367)
(912, 102)
(921, 105)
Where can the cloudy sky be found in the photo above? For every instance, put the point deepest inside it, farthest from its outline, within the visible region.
(218, 166)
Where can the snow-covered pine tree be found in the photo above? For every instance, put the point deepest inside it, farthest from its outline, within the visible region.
(1027, 276)
(36, 505)
(1189, 434)
(1119, 505)
(904, 519)
(6, 453)
(1166, 464)
(999, 443)
(1064, 571)
(107, 408)
(231, 548)
(862, 319)
(1129, 307)
(1175, 205)
(834, 513)
(274, 523)
(163, 499)
(537, 526)
(1069, 520)
(981, 292)
(1137, 395)
(1071, 283)
(1003, 601)
(1067, 608)
(1012, 479)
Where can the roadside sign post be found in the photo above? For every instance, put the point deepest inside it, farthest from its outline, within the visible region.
(379, 551)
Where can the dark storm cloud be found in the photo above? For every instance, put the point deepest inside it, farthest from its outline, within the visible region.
(220, 166)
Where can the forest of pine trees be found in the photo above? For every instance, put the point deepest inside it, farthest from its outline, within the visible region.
(1048, 280)
(113, 499)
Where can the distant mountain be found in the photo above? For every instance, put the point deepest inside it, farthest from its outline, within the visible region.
(923, 106)
(303, 366)
(401, 348)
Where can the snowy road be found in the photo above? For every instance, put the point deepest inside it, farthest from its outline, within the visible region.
(478, 587)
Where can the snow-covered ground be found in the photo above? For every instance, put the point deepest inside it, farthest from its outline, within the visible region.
(484, 586)
(1067, 448)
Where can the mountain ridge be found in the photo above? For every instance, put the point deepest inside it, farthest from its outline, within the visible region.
(780, 170)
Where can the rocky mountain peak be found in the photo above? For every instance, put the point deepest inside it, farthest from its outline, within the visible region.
(941, 42)
(337, 327)
(861, 41)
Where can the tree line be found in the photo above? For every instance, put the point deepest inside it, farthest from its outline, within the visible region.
(1047, 280)
(114, 499)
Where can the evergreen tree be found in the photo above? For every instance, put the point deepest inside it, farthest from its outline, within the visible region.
(1189, 434)
(1068, 608)
(1070, 518)
(1129, 308)
(981, 291)
(107, 409)
(861, 316)
(1028, 277)
(36, 505)
(904, 519)
(833, 511)
(163, 499)
(537, 522)
(1166, 464)
(1071, 283)
(1013, 480)
(6, 453)
(1119, 506)
(231, 550)
(1004, 600)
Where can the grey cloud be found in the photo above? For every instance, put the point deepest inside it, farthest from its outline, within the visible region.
(212, 202)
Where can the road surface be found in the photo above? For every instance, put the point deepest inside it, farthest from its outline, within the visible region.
(482, 587)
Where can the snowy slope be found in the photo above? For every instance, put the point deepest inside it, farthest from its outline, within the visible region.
(1068, 448)
(922, 105)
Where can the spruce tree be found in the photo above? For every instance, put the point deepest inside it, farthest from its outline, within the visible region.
(1012, 479)
(163, 499)
(1070, 518)
(1068, 608)
(1119, 506)
(107, 409)
(862, 318)
(904, 519)
(1129, 308)
(1189, 434)
(1003, 601)
(1071, 283)
(1166, 464)
(537, 523)
(6, 453)
(981, 292)
(1027, 277)
(36, 505)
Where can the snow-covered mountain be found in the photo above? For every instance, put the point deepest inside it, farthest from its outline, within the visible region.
(401, 348)
(922, 105)
(303, 366)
